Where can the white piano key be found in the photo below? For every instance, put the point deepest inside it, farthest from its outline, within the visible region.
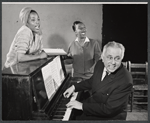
(68, 111)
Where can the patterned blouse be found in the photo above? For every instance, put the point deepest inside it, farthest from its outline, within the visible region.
(24, 42)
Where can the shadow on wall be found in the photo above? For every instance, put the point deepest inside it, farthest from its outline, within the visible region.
(57, 41)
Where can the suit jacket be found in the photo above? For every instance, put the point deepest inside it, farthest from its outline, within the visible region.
(110, 96)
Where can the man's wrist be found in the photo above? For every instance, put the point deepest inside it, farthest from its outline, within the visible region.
(82, 106)
(73, 87)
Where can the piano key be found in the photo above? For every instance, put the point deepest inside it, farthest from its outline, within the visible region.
(62, 105)
(58, 117)
(68, 111)
(74, 96)
(59, 113)
(61, 109)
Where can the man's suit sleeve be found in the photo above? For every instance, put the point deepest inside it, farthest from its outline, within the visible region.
(87, 84)
(113, 105)
(83, 85)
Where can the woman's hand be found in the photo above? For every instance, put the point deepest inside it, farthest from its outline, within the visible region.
(43, 55)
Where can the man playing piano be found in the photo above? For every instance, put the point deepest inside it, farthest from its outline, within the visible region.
(110, 84)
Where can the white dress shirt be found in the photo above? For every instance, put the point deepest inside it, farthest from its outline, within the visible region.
(104, 73)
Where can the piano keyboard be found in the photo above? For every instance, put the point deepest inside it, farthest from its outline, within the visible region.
(63, 113)
(68, 111)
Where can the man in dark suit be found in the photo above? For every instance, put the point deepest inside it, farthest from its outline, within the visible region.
(109, 92)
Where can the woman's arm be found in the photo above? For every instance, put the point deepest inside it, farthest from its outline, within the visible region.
(23, 44)
(21, 57)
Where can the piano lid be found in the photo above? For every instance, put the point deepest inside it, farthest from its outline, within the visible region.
(25, 68)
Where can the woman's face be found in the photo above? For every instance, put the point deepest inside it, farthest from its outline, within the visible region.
(80, 31)
(34, 22)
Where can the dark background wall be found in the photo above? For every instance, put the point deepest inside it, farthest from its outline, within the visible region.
(127, 24)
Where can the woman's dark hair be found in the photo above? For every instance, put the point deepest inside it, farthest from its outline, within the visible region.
(33, 11)
(75, 23)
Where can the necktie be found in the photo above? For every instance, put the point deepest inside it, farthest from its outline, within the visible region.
(105, 75)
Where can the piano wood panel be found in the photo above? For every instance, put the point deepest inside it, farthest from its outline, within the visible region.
(20, 91)
(16, 98)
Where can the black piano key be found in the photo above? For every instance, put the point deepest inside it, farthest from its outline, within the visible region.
(62, 113)
(62, 103)
(60, 109)
(65, 99)
(58, 117)
(62, 106)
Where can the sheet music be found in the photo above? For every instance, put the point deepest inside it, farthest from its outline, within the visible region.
(53, 75)
(59, 68)
(50, 87)
(48, 81)
(56, 71)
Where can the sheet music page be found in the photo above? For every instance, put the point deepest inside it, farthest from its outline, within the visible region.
(48, 81)
(56, 71)
(59, 67)
(53, 75)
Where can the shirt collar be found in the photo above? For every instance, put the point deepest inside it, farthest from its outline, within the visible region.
(114, 71)
(86, 39)
(106, 70)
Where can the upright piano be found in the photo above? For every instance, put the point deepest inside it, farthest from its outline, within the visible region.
(33, 90)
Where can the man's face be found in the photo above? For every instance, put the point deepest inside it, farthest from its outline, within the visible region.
(112, 59)
(34, 22)
(80, 30)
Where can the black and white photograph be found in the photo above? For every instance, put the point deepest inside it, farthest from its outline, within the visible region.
(74, 61)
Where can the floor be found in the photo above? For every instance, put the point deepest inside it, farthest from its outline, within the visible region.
(139, 113)
(137, 116)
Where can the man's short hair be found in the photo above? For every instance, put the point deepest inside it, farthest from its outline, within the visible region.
(114, 45)
(74, 24)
